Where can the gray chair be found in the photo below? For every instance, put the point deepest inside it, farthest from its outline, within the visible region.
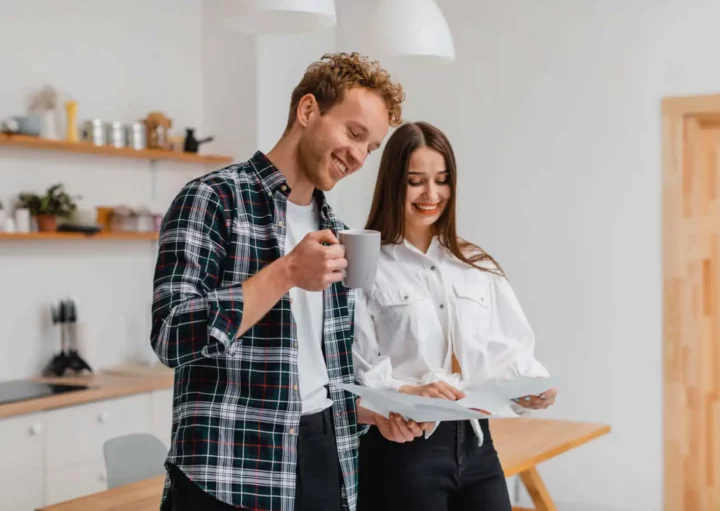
(132, 458)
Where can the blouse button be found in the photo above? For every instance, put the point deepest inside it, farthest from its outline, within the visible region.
(432, 267)
(406, 297)
(442, 306)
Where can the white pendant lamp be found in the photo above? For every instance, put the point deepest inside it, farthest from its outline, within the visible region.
(281, 16)
(411, 28)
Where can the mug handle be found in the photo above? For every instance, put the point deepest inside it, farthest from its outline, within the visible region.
(344, 272)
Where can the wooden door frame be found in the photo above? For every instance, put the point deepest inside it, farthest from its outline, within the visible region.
(682, 121)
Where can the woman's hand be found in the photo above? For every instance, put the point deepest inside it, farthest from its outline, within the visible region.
(437, 389)
(544, 400)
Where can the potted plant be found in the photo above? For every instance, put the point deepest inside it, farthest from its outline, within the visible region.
(56, 203)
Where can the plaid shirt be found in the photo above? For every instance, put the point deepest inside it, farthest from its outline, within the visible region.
(236, 405)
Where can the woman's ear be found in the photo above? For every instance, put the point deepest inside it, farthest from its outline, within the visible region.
(307, 109)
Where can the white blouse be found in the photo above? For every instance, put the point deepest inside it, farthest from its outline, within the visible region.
(424, 306)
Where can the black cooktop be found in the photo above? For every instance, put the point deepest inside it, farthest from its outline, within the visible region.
(23, 390)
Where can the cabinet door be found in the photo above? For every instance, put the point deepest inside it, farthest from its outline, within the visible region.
(77, 434)
(22, 443)
(161, 409)
(74, 481)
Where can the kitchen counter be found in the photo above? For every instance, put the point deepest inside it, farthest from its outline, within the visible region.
(119, 382)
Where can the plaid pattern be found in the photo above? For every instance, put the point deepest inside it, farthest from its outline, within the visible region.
(236, 405)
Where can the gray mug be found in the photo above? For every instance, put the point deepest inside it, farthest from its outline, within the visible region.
(362, 251)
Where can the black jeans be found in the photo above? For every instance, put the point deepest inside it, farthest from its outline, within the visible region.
(319, 479)
(447, 472)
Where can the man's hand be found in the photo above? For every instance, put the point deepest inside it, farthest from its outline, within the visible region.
(437, 389)
(397, 429)
(544, 400)
(313, 266)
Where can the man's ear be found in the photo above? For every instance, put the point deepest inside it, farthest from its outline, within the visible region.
(307, 109)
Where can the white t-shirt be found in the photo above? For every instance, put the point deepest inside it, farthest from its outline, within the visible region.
(307, 308)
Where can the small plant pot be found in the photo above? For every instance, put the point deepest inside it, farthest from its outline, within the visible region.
(46, 223)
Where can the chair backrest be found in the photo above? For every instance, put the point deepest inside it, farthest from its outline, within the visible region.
(132, 458)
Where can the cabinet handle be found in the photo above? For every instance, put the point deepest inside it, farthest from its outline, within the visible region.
(36, 429)
(103, 417)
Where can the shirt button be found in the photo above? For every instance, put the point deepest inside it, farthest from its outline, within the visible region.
(432, 267)
(294, 387)
(281, 223)
(292, 431)
(270, 194)
(442, 306)
(283, 188)
(295, 344)
(406, 297)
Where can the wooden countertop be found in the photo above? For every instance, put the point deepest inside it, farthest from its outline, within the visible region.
(104, 385)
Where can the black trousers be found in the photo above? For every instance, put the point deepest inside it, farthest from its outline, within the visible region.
(319, 479)
(447, 472)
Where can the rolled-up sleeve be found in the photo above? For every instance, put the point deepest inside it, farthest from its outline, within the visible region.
(191, 316)
(511, 340)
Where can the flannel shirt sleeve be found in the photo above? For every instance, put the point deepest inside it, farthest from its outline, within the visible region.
(191, 316)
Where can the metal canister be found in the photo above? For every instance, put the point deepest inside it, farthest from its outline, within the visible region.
(116, 135)
(94, 131)
(136, 136)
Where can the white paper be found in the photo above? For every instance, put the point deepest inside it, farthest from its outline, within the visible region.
(493, 397)
(517, 387)
(417, 408)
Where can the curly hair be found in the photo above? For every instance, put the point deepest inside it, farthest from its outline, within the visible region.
(335, 73)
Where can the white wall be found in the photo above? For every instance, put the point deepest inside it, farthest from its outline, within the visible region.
(229, 69)
(119, 61)
(281, 63)
(553, 110)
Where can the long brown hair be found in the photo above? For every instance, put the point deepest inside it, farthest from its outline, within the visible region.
(387, 213)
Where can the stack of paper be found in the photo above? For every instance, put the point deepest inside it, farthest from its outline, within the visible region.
(493, 398)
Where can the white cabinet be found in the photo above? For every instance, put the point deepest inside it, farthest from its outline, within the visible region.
(74, 481)
(55, 456)
(22, 444)
(161, 403)
(77, 434)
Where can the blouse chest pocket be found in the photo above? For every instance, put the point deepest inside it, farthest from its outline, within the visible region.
(473, 307)
(401, 310)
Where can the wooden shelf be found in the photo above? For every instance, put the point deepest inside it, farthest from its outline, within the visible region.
(22, 141)
(79, 236)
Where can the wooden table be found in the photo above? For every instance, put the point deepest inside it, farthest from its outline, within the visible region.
(521, 443)
(524, 443)
(142, 496)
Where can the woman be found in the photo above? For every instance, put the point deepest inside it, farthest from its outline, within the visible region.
(440, 317)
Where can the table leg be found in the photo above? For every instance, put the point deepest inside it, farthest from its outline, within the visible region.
(537, 490)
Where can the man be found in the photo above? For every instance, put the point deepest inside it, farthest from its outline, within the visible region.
(250, 312)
